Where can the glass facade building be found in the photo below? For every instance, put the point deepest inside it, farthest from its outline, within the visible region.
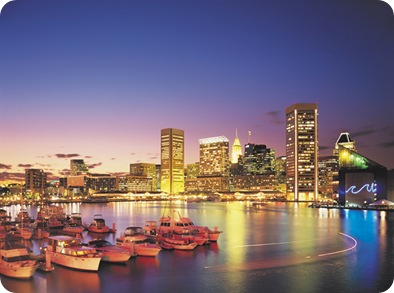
(172, 161)
(302, 152)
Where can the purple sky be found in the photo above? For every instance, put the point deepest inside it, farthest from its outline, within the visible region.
(98, 80)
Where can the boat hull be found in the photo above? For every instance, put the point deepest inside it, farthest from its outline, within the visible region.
(22, 272)
(78, 263)
(109, 256)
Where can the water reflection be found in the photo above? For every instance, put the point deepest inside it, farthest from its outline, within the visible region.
(280, 247)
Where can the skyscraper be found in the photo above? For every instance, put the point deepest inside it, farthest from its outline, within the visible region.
(172, 161)
(302, 152)
(214, 156)
(236, 149)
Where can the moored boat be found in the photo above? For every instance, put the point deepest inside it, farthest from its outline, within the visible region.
(111, 252)
(134, 240)
(178, 243)
(183, 225)
(98, 225)
(69, 252)
(14, 259)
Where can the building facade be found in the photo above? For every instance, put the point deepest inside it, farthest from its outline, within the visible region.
(172, 161)
(302, 152)
(35, 180)
(145, 169)
(258, 159)
(214, 156)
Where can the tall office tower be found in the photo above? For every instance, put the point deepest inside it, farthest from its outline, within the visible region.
(172, 161)
(302, 152)
(78, 167)
(346, 141)
(214, 156)
(145, 169)
(258, 159)
(236, 149)
(35, 180)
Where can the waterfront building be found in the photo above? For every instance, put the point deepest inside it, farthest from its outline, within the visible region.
(207, 184)
(302, 152)
(361, 180)
(101, 183)
(78, 167)
(280, 169)
(258, 159)
(192, 170)
(236, 150)
(145, 169)
(344, 140)
(172, 161)
(35, 181)
(254, 182)
(328, 177)
(214, 167)
(158, 177)
(214, 156)
(135, 183)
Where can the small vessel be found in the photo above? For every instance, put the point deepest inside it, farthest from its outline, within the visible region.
(73, 229)
(183, 225)
(111, 253)
(135, 241)
(15, 261)
(98, 225)
(69, 252)
(178, 243)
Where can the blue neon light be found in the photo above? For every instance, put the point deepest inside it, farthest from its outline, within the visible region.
(369, 187)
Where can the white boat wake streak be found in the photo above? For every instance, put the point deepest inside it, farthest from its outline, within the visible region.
(267, 263)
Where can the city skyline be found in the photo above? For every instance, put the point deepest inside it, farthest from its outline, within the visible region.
(98, 81)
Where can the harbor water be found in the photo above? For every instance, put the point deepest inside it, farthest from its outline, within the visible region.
(277, 247)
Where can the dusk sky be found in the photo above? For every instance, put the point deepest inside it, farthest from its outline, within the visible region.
(98, 80)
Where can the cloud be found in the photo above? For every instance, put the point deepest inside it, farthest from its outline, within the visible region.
(64, 172)
(25, 165)
(7, 167)
(88, 157)
(92, 166)
(323, 148)
(153, 158)
(132, 154)
(387, 144)
(362, 133)
(66, 156)
(12, 176)
(276, 117)
(113, 159)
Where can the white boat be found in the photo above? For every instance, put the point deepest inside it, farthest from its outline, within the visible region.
(98, 225)
(15, 261)
(138, 245)
(183, 225)
(69, 252)
(134, 240)
(111, 253)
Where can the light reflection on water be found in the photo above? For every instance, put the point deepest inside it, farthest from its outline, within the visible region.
(275, 247)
